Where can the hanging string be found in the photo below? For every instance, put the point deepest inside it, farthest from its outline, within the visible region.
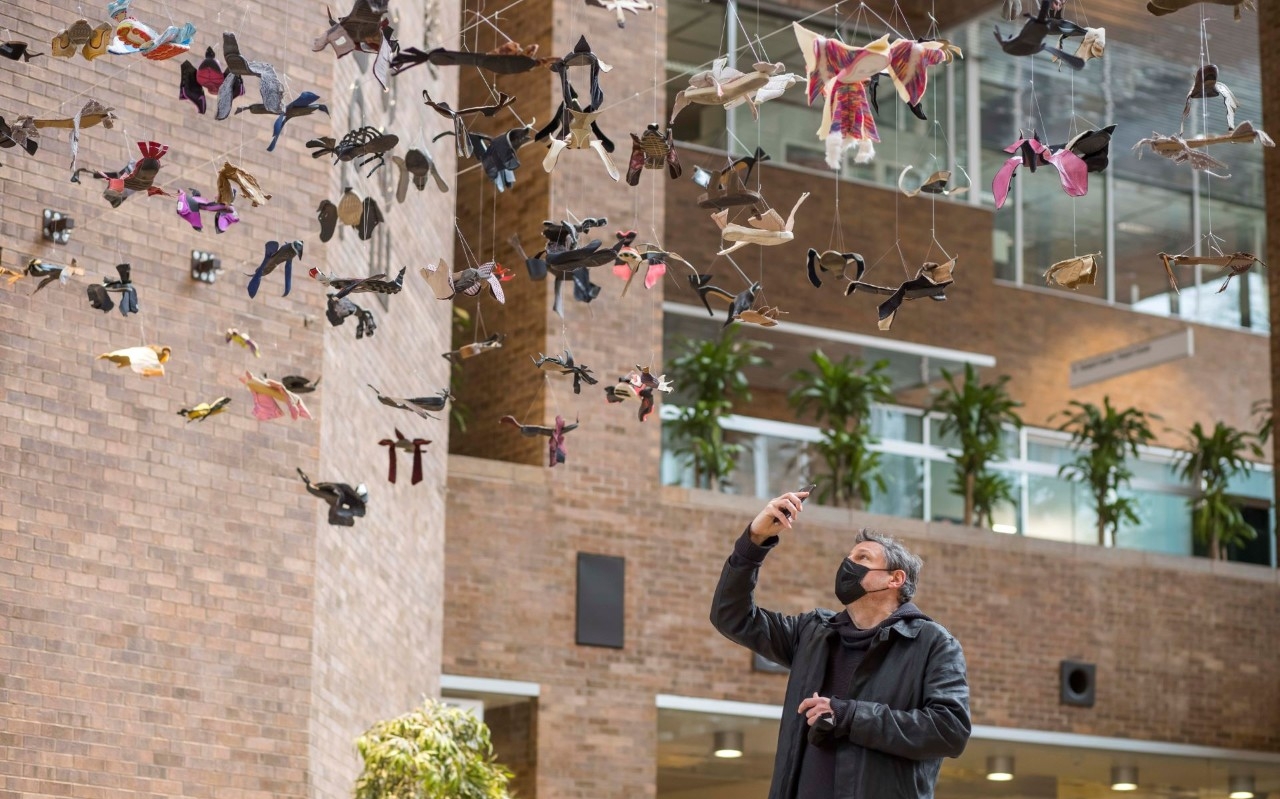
(1214, 241)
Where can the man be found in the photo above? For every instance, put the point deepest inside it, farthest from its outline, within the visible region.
(879, 689)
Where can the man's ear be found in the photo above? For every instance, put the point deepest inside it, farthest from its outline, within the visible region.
(893, 578)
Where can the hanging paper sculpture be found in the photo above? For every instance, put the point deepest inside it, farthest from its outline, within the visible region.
(1074, 272)
(461, 141)
(840, 74)
(366, 29)
(417, 165)
(413, 445)
(22, 134)
(194, 81)
(1047, 22)
(930, 281)
(565, 365)
(49, 273)
(276, 254)
(652, 149)
(100, 294)
(373, 284)
(1162, 7)
(138, 175)
(498, 154)
(1206, 85)
(473, 349)
(17, 51)
(299, 384)
(555, 435)
(639, 384)
(419, 405)
(653, 258)
(132, 36)
(339, 308)
(267, 396)
(303, 105)
(1188, 151)
(243, 339)
(619, 6)
(470, 281)
(367, 142)
(566, 260)
(92, 113)
(1236, 263)
(509, 58)
(937, 183)
(726, 86)
(228, 174)
(573, 124)
(95, 40)
(1073, 172)
(238, 68)
(147, 361)
(190, 204)
(832, 261)
(198, 413)
(345, 503)
(767, 229)
(730, 190)
(363, 215)
(741, 305)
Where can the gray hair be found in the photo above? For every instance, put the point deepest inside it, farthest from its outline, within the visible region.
(896, 557)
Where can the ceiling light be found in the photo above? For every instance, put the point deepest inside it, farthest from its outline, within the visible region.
(1000, 768)
(728, 743)
(1124, 778)
(1241, 786)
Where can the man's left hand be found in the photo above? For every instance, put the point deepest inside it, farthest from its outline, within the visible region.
(815, 707)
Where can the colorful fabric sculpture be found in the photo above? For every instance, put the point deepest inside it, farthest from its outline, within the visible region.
(840, 74)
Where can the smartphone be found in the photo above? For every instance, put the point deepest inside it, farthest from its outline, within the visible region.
(807, 491)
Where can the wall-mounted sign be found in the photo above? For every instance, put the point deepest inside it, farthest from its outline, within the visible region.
(1133, 358)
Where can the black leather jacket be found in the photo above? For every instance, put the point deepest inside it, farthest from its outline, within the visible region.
(911, 692)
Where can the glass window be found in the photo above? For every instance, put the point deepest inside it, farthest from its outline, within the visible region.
(1157, 207)
(1149, 220)
(895, 424)
(1060, 510)
(1165, 524)
(904, 487)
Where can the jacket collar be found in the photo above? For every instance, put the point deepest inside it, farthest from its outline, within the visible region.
(908, 626)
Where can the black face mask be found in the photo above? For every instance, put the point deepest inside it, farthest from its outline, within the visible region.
(849, 581)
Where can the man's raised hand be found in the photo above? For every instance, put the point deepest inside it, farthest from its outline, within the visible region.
(780, 513)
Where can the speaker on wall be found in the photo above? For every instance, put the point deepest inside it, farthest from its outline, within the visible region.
(1077, 683)
(601, 610)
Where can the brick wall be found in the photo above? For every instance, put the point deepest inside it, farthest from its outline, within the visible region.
(1186, 649)
(176, 617)
(379, 585)
(157, 576)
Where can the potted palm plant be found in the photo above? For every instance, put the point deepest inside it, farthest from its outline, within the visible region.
(1212, 460)
(709, 379)
(433, 752)
(839, 395)
(1103, 439)
(975, 414)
